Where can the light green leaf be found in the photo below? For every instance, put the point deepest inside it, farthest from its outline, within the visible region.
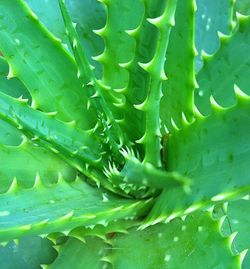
(211, 154)
(195, 242)
(76, 254)
(31, 160)
(61, 208)
(179, 67)
(50, 77)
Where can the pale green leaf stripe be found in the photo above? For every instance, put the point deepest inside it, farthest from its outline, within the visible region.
(50, 77)
(60, 208)
(178, 89)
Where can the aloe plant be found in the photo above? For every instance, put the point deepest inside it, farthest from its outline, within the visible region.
(124, 134)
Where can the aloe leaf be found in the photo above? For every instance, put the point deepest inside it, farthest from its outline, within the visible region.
(178, 89)
(243, 7)
(89, 254)
(61, 208)
(155, 69)
(86, 25)
(79, 148)
(105, 232)
(136, 177)
(28, 253)
(144, 35)
(49, 76)
(118, 45)
(49, 14)
(211, 16)
(45, 126)
(112, 129)
(11, 86)
(119, 51)
(30, 160)
(211, 154)
(174, 248)
(225, 62)
(93, 19)
(237, 212)
(9, 135)
(237, 223)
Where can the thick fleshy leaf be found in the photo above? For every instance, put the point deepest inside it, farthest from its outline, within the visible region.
(50, 77)
(118, 45)
(29, 253)
(211, 154)
(144, 35)
(37, 124)
(11, 86)
(77, 254)
(60, 208)
(225, 69)
(237, 221)
(9, 135)
(243, 7)
(49, 14)
(112, 131)
(143, 179)
(211, 16)
(195, 242)
(179, 67)
(156, 76)
(31, 160)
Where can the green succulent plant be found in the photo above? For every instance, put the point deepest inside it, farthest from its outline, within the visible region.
(124, 134)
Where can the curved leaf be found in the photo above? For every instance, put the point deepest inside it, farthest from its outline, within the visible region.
(195, 242)
(232, 62)
(29, 253)
(211, 154)
(179, 67)
(50, 77)
(60, 208)
(212, 16)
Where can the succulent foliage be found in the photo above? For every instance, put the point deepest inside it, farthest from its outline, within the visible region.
(124, 134)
